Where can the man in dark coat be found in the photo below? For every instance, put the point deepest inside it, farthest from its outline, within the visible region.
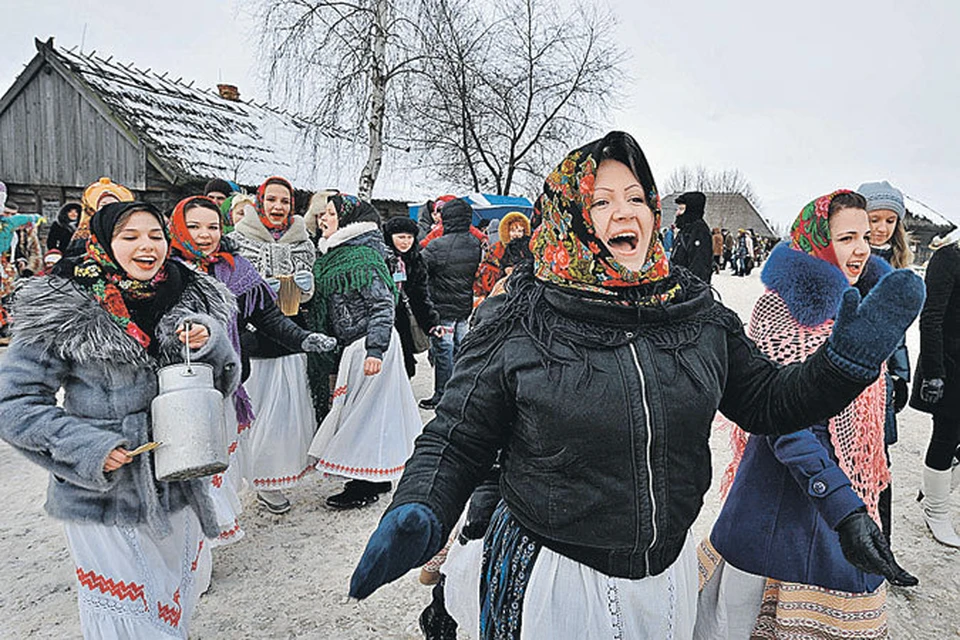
(452, 262)
(694, 243)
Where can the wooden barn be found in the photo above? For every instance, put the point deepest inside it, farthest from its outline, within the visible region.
(729, 211)
(72, 117)
(924, 224)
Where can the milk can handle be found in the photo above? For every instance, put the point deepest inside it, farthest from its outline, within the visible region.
(186, 330)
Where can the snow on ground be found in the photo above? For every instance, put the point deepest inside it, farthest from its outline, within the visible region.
(288, 577)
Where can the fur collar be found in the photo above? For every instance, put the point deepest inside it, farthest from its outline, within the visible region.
(55, 312)
(810, 287)
(343, 234)
(251, 227)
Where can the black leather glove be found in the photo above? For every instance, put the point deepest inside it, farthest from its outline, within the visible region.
(931, 391)
(865, 547)
(900, 394)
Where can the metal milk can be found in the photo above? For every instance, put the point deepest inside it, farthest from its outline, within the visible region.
(189, 423)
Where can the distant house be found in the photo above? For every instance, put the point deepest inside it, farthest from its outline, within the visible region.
(923, 224)
(729, 211)
(72, 117)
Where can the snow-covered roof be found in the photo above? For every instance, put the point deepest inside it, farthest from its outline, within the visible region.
(920, 210)
(197, 134)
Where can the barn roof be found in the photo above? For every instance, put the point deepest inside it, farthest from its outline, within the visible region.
(194, 134)
(923, 213)
(725, 210)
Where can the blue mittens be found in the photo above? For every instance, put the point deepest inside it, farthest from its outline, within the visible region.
(406, 538)
(867, 332)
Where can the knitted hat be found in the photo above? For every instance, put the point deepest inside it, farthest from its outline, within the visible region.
(219, 185)
(882, 195)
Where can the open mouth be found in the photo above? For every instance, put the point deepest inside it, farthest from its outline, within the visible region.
(625, 241)
(145, 262)
(855, 267)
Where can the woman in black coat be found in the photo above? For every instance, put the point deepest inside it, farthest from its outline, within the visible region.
(63, 228)
(937, 383)
(596, 378)
(410, 274)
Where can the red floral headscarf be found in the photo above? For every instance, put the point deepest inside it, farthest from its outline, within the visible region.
(181, 241)
(810, 232)
(565, 246)
(276, 230)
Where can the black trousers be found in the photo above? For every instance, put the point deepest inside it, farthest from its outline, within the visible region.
(944, 441)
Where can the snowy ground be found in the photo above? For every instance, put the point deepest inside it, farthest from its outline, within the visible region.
(288, 577)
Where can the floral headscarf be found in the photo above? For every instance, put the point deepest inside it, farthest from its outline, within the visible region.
(810, 232)
(565, 246)
(181, 241)
(276, 230)
(110, 285)
(352, 209)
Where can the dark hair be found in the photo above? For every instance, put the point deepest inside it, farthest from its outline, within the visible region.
(124, 217)
(201, 201)
(851, 200)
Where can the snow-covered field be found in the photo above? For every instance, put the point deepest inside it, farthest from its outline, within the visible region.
(288, 577)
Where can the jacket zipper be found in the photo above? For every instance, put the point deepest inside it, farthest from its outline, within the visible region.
(646, 413)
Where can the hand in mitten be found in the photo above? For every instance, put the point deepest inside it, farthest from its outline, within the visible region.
(273, 283)
(318, 343)
(900, 394)
(866, 332)
(303, 280)
(931, 390)
(865, 547)
(407, 537)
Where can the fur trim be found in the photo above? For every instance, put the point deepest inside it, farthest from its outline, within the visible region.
(55, 312)
(811, 288)
(343, 234)
(503, 229)
(251, 227)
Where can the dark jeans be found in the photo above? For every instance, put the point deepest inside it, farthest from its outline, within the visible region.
(944, 441)
(443, 351)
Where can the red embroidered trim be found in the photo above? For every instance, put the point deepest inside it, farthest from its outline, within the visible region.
(232, 449)
(217, 480)
(119, 589)
(193, 567)
(232, 531)
(242, 426)
(269, 482)
(339, 391)
(365, 470)
(171, 615)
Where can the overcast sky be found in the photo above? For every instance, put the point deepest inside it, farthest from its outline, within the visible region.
(801, 97)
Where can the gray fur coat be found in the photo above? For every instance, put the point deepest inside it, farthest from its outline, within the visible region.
(63, 338)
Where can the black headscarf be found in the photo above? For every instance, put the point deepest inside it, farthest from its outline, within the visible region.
(351, 209)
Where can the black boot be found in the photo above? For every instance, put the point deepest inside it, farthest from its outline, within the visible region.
(435, 622)
(355, 494)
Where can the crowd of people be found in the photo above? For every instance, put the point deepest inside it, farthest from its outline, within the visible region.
(581, 361)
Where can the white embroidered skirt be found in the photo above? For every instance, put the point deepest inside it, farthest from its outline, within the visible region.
(373, 420)
(225, 487)
(134, 584)
(566, 599)
(284, 422)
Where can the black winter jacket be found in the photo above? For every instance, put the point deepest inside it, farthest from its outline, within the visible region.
(940, 331)
(368, 312)
(62, 229)
(693, 247)
(452, 262)
(604, 426)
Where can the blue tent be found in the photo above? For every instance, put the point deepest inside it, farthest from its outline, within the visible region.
(487, 207)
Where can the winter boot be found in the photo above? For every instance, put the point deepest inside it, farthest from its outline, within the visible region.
(935, 504)
(435, 622)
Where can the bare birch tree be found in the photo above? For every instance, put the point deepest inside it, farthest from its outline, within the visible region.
(335, 63)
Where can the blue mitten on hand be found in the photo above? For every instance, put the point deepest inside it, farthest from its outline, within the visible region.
(406, 538)
(867, 332)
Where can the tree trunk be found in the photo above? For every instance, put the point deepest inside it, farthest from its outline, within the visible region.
(378, 101)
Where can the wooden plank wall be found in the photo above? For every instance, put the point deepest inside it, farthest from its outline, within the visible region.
(51, 135)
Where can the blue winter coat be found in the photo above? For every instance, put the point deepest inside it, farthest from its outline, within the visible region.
(789, 492)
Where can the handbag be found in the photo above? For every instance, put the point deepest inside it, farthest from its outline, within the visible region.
(421, 341)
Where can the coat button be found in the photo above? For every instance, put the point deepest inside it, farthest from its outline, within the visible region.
(819, 487)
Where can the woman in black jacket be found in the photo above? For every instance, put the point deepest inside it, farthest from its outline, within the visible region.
(597, 377)
(410, 275)
(936, 387)
(63, 228)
